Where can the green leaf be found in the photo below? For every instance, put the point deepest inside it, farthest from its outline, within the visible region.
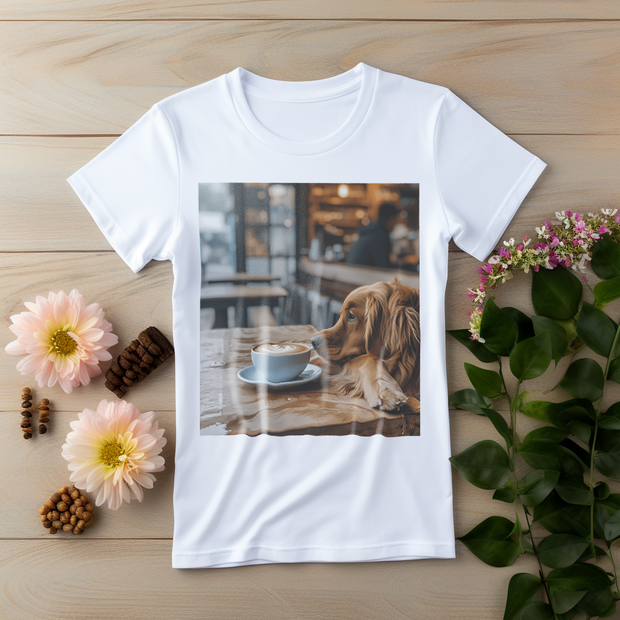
(565, 600)
(572, 465)
(475, 346)
(537, 409)
(578, 577)
(556, 293)
(500, 424)
(491, 542)
(540, 454)
(584, 379)
(561, 550)
(530, 358)
(595, 329)
(571, 334)
(505, 494)
(554, 514)
(485, 464)
(545, 433)
(537, 610)
(578, 451)
(468, 399)
(609, 422)
(607, 456)
(612, 527)
(536, 485)
(498, 329)
(574, 491)
(524, 323)
(559, 342)
(610, 611)
(606, 291)
(521, 590)
(558, 413)
(486, 382)
(581, 430)
(597, 603)
(604, 510)
(601, 490)
(613, 374)
(606, 258)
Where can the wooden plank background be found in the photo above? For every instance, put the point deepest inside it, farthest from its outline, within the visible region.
(74, 76)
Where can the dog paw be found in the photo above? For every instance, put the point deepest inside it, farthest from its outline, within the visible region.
(388, 398)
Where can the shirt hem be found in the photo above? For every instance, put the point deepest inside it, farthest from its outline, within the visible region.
(506, 212)
(244, 556)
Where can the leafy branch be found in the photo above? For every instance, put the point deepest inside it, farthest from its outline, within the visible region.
(577, 441)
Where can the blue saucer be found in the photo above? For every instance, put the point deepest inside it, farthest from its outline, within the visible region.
(310, 373)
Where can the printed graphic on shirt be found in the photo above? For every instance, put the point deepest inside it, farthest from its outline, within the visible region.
(309, 309)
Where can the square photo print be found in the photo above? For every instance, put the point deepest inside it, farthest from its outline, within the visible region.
(309, 309)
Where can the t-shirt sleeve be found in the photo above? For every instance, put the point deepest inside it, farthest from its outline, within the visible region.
(131, 190)
(482, 175)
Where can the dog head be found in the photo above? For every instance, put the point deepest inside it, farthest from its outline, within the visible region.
(381, 319)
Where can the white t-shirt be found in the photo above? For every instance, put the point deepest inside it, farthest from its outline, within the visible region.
(268, 197)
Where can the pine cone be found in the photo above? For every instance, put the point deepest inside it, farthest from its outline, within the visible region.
(138, 360)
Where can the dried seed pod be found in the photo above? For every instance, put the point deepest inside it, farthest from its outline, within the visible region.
(44, 411)
(139, 358)
(59, 511)
(26, 413)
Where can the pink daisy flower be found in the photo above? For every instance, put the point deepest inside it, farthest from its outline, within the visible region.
(63, 340)
(114, 449)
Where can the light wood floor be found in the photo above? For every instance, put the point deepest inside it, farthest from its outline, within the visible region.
(74, 76)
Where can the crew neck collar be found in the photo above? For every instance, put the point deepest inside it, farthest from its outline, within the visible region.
(362, 77)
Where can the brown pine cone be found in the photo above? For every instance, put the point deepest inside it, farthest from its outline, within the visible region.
(139, 358)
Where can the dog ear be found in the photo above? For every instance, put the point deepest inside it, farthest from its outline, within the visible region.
(376, 304)
(402, 328)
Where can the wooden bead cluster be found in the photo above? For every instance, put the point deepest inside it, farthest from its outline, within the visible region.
(67, 510)
(27, 411)
(44, 412)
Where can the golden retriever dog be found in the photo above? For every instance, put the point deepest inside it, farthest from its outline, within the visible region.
(373, 351)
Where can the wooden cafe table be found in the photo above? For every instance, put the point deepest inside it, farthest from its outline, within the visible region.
(221, 296)
(230, 406)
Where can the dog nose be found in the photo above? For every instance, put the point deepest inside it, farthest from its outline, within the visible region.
(316, 342)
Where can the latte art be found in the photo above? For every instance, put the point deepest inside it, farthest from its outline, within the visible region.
(284, 348)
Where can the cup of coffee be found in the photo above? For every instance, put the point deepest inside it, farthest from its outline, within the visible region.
(282, 361)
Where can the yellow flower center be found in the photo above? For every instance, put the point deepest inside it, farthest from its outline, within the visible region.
(113, 454)
(63, 343)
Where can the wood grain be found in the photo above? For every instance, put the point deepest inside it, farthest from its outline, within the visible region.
(318, 9)
(133, 578)
(99, 78)
(74, 75)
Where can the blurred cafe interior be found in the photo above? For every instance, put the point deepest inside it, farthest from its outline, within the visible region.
(290, 253)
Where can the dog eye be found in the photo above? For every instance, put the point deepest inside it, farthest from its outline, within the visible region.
(350, 317)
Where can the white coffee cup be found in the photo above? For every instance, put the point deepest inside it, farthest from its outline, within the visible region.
(282, 361)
